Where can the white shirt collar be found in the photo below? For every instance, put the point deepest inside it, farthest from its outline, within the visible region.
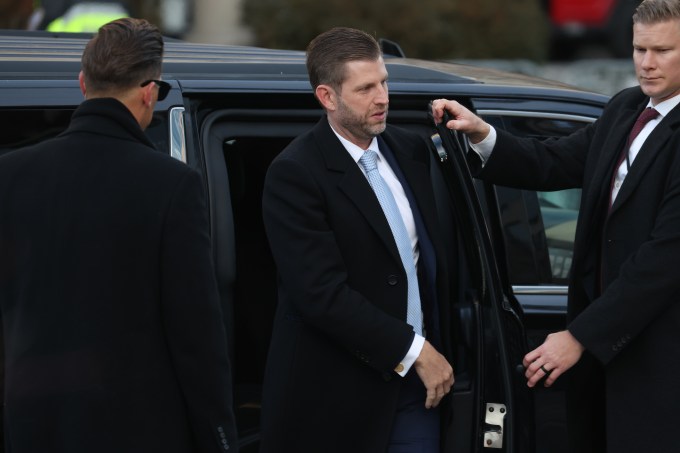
(355, 151)
(665, 107)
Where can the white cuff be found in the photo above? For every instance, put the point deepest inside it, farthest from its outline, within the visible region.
(485, 147)
(411, 356)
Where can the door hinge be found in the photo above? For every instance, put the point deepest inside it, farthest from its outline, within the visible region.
(493, 427)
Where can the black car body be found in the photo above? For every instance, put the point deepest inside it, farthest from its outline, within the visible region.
(232, 109)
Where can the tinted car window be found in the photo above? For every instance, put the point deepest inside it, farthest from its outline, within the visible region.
(539, 227)
(24, 127)
(28, 126)
(559, 211)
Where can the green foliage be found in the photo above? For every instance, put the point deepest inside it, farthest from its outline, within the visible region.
(432, 29)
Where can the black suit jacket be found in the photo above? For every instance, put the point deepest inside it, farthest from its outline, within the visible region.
(340, 326)
(112, 325)
(624, 294)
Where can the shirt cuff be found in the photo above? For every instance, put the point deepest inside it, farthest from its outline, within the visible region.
(411, 356)
(485, 147)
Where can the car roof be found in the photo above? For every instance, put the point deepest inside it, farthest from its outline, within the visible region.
(43, 55)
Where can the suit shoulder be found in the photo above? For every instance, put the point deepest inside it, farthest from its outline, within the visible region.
(405, 140)
(301, 148)
(139, 154)
(401, 133)
(628, 96)
(26, 157)
(163, 170)
(404, 136)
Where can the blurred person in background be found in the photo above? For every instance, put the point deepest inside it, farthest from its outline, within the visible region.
(75, 16)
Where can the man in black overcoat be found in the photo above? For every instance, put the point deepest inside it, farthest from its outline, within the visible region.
(621, 348)
(113, 333)
(346, 372)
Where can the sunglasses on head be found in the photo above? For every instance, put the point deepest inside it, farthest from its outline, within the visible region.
(163, 87)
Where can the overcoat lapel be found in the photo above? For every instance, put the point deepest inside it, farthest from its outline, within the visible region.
(594, 209)
(598, 196)
(654, 144)
(353, 184)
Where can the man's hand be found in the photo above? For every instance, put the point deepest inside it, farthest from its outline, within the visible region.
(559, 352)
(463, 120)
(436, 374)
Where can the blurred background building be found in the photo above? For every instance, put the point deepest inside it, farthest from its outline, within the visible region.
(528, 36)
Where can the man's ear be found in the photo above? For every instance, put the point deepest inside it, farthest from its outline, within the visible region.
(147, 94)
(327, 97)
(81, 81)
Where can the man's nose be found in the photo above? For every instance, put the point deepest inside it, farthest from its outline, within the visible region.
(382, 96)
(648, 60)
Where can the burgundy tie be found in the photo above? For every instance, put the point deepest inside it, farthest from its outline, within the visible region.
(645, 117)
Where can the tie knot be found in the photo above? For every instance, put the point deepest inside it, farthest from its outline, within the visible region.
(647, 115)
(369, 160)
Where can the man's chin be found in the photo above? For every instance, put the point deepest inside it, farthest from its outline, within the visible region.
(647, 89)
(378, 129)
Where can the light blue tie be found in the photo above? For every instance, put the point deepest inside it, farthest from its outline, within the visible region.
(370, 163)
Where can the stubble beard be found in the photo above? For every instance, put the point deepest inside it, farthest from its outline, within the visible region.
(357, 125)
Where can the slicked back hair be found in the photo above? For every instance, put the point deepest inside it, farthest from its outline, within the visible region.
(653, 11)
(328, 53)
(123, 54)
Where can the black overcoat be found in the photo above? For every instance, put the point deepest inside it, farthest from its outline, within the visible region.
(340, 326)
(112, 326)
(624, 294)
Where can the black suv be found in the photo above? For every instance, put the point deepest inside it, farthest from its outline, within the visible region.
(231, 110)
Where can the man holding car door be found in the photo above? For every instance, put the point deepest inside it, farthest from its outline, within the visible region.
(621, 348)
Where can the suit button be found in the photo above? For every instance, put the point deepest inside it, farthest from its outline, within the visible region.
(361, 356)
(392, 280)
(387, 377)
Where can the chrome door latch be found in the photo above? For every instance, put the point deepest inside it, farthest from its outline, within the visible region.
(493, 427)
(437, 141)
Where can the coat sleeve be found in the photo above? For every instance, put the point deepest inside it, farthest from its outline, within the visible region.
(314, 275)
(193, 318)
(531, 164)
(555, 163)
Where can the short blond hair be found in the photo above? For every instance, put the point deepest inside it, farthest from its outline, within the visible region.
(653, 11)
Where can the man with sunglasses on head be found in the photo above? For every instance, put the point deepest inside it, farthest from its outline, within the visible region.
(114, 337)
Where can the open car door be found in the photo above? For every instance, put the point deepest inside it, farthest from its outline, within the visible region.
(492, 406)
